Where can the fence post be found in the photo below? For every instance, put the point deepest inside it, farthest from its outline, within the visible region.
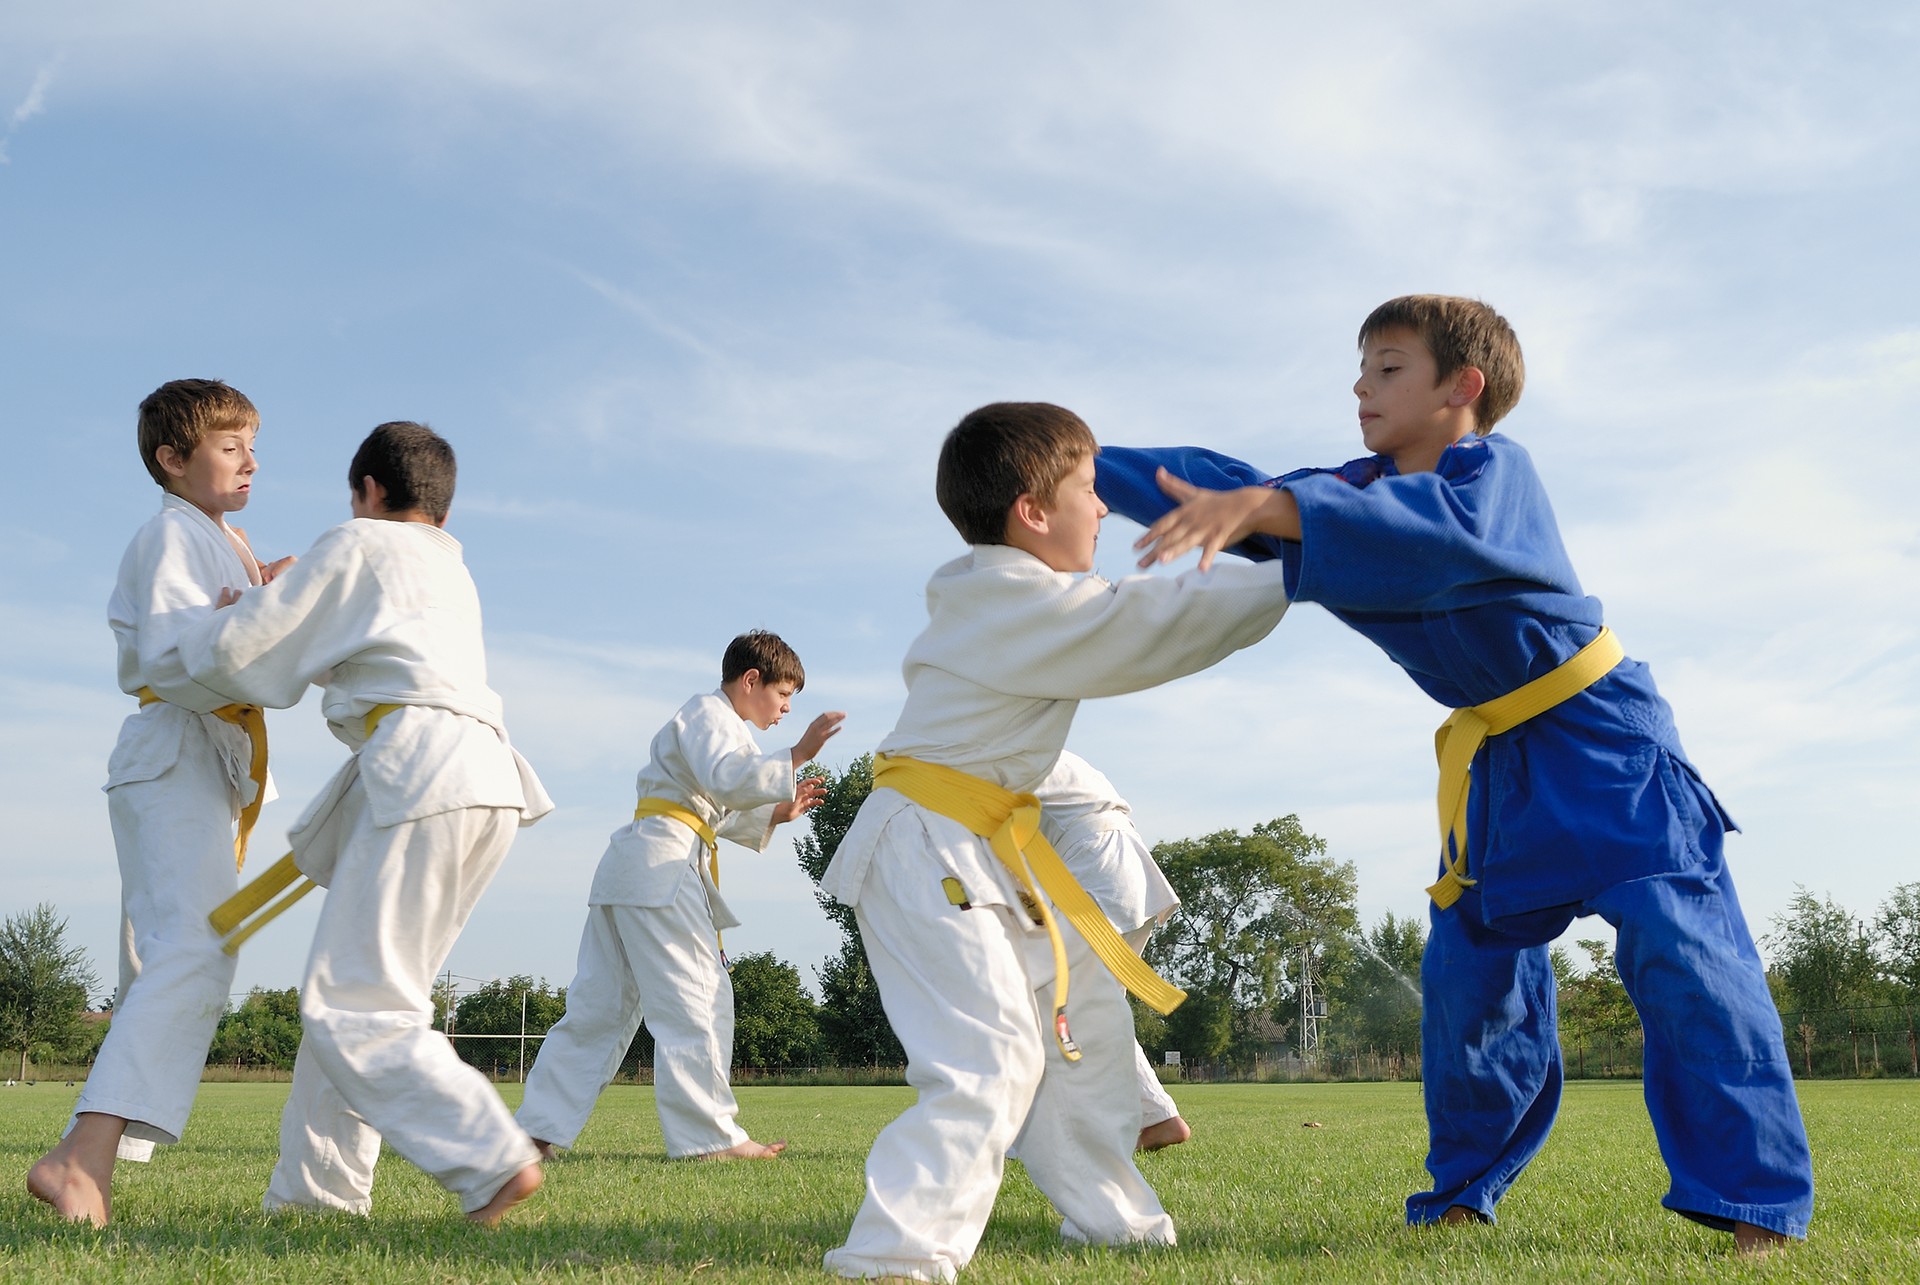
(1806, 1043)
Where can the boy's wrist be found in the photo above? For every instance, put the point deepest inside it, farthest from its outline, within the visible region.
(1277, 515)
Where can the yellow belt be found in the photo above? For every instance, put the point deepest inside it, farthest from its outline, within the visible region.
(1465, 730)
(1011, 825)
(251, 720)
(690, 819)
(239, 909)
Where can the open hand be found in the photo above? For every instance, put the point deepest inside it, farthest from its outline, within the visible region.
(809, 792)
(818, 733)
(1206, 520)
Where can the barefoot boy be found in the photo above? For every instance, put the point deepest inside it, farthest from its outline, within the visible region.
(1441, 548)
(1092, 829)
(958, 940)
(652, 942)
(405, 837)
(187, 765)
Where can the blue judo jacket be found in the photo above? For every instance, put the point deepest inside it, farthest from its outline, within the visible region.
(1459, 575)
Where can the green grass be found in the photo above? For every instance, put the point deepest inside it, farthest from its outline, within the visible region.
(1256, 1195)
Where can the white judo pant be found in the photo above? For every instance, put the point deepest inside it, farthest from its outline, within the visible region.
(173, 836)
(371, 1063)
(663, 963)
(1156, 1104)
(971, 1011)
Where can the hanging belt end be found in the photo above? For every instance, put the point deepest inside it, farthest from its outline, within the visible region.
(1448, 889)
(1068, 1048)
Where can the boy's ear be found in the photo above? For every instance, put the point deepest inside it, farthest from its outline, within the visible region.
(1028, 513)
(1468, 384)
(749, 680)
(170, 460)
(369, 490)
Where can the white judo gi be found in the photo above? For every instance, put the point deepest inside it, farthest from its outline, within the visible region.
(1010, 649)
(1092, 829)
(405, 838)
(175, 785)
(651, 944)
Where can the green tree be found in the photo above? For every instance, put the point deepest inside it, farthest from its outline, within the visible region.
(828, 824)
(1375, 1003)
(1897, 942)
(1822, 955)
(1202, 1028)
(495, 1009)
(1253, 909)
(1593, 1002)
(44, 984)
(775, 1022)
(264, 1030)
(853, 1026)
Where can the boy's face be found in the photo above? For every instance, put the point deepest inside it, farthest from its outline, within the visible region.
(1405, 409)
(218, 477)
(1072, 523)
(762, 704)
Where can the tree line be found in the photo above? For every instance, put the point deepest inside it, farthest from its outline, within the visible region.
(1267, 942)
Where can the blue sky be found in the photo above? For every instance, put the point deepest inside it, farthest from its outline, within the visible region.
(695, 291)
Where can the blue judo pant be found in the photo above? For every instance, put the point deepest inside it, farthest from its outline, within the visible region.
(1718, 1084)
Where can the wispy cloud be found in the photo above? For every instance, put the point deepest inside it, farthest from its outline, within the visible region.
(32, 105)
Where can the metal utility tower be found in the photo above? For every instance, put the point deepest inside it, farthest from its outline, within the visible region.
(1313, 1008)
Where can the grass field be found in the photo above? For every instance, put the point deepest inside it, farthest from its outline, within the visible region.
(1257, 1196)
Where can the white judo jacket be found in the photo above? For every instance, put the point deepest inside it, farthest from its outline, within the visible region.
(1010, 649)
(705, 760)
(169, 578)
(377, 612)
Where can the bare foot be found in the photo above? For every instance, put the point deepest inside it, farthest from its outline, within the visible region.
(1750, 1241)
(515, 1190)
(547, 1150)
(748, 1150)
(1168, 1133)
(1460, 1215)
(76, 1177)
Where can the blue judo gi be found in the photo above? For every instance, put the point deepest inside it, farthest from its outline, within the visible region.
(1590, 808)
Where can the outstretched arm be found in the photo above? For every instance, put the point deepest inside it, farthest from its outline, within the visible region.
(1211, 520)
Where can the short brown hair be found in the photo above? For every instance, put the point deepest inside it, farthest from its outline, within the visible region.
(181, 413)
(1460, 333)
(412, 463)
(766, 652)
(1001, 452)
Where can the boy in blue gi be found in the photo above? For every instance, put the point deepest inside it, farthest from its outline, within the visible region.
(1441, 548)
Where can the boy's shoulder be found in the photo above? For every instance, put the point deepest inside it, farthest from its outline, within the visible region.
(177, 530)
(382, 533)
(996, 587)
(703, 710)
(387, 548)
(995, 569)
(1466, 461)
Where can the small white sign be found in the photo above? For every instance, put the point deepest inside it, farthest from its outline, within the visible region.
(1173, 1057)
